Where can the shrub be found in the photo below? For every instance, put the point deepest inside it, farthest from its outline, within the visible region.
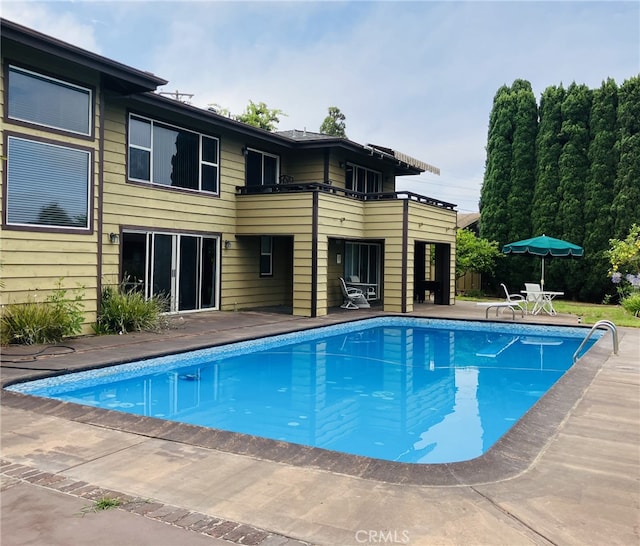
(632, 304)
(125, 310)
(47, 321)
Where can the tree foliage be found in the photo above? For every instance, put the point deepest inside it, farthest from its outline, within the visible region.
(475, 254)
(598, 190)
(261, 116)
(625, 208)
(572, 174)
(624, 254)
(334, 124)
(523, 160)
(544, 209)
(495, 188)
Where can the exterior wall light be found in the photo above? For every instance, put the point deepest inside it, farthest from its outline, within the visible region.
(227, 245)
(114, 238)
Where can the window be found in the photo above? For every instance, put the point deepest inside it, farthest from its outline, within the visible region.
(47, 185)
(170, 156)
(363, 180)
(266, 256)
(52, 103)
(262, 168)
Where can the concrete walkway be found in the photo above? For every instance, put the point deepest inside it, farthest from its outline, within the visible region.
(570, 476)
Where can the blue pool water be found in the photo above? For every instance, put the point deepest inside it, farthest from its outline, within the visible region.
(394, 388)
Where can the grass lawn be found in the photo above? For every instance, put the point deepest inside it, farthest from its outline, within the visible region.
(590, 312)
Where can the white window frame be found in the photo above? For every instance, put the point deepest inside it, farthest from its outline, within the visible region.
(201, 161)
(150, 272)
(54, 81)
(354, 179)
(265, 154)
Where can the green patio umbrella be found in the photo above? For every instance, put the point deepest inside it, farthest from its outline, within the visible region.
(543, 246)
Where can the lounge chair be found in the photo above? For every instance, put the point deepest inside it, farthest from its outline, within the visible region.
(513, 302)
(351, 295)
(516, 299)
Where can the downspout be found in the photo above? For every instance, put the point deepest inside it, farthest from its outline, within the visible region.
(100, 198)
(405, 252)
(314, 255)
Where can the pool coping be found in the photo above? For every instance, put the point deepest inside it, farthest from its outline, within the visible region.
(513, 454)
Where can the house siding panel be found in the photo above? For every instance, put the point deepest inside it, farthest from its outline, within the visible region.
(34, 262)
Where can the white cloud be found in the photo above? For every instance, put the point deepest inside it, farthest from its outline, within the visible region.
(49, 19)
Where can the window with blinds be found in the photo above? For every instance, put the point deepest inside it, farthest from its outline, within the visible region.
(170, 156)
(47, 184)
(45, 101)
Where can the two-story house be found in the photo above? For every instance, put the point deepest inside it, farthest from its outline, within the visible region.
(105, 181)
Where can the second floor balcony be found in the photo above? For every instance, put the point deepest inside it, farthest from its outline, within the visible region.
(327, 187)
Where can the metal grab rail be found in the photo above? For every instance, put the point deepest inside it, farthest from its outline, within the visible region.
(614, 333)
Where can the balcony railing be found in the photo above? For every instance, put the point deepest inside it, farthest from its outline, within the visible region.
(303, 187)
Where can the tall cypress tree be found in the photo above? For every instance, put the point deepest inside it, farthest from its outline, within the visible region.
(495, 187)
(544, 209)
(625, 208)
(598, 193)
(574, 170)
(523, 161)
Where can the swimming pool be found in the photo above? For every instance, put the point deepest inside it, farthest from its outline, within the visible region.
(394, 388)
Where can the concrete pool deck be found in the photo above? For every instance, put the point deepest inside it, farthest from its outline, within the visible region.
(570, 476)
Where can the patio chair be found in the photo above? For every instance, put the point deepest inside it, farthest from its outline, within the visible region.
(534, 296)
(516, 299)
(350, 295)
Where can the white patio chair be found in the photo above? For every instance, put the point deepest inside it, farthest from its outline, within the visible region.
(350, 294)
(534, 296)
(516, 299)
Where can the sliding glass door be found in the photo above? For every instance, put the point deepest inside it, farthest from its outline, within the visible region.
(183, 268)
(362, 260)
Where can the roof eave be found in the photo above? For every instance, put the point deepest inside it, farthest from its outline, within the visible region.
(118, 75)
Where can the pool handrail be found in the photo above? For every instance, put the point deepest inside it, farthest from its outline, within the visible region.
(600, 324)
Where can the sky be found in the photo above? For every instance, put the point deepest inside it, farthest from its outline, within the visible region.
(417, 76)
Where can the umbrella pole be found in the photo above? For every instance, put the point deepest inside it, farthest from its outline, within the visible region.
(542, 280)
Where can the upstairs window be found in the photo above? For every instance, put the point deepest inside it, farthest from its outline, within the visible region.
(52, 103)
(262, 168)
(47, 184)
(169, 156)
(363, 180)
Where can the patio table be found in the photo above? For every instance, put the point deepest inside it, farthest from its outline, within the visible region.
(543, 300)
(368, 289)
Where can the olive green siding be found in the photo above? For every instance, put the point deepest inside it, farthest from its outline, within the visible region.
(244, 288)
(35, 263)
(304, 166)
(339, 219)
